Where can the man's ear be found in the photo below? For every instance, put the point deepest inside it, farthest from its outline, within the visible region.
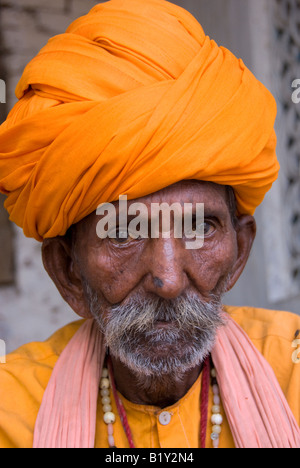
(60, 265)
(245, 235)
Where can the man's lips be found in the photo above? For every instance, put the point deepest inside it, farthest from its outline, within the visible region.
(163, 323)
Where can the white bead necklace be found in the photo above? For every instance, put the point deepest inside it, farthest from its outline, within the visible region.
(216, 417)
(109, 417)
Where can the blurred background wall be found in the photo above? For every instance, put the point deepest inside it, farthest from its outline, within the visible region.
(266, 34)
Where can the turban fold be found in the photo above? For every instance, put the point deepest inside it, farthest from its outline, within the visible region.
(134, 97)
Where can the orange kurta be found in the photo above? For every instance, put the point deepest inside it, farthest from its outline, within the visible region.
(24, 378)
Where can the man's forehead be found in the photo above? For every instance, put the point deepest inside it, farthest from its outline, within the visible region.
(185, 191)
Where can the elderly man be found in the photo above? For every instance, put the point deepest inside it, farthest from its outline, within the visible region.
(134, 100)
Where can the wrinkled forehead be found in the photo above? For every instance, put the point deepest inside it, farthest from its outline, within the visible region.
(187, 191)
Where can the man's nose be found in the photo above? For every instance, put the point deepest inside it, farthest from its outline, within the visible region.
(166, 268)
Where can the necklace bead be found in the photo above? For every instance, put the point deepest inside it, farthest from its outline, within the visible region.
(217, 429)
(110, 429)
(105, 400)
(107, 408)
(217, 419)
(104, 382)
(216, 409)
(104, 392)
(217, 400)
(109, 417)
(111, 441)
(216, 443)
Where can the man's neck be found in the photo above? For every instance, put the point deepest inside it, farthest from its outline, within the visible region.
(155, 391)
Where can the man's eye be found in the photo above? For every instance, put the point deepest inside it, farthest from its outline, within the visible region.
(206, 228)
(122, 236)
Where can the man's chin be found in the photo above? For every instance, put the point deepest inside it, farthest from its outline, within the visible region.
(160, 357)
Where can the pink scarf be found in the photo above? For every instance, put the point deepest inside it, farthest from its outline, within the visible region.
(256, 409)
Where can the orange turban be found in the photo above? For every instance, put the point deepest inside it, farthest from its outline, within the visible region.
(131, 99)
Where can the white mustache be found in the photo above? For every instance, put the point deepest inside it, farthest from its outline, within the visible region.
(139, 317)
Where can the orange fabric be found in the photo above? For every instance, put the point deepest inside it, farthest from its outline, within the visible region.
(132, 98)
(25, 376)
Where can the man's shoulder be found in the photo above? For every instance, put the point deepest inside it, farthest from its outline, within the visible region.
(23, 379)
(274, 334)
(39, 351)
(36, 359)
(259, 324)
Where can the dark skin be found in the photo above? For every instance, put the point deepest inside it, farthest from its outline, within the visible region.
(163, 267)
